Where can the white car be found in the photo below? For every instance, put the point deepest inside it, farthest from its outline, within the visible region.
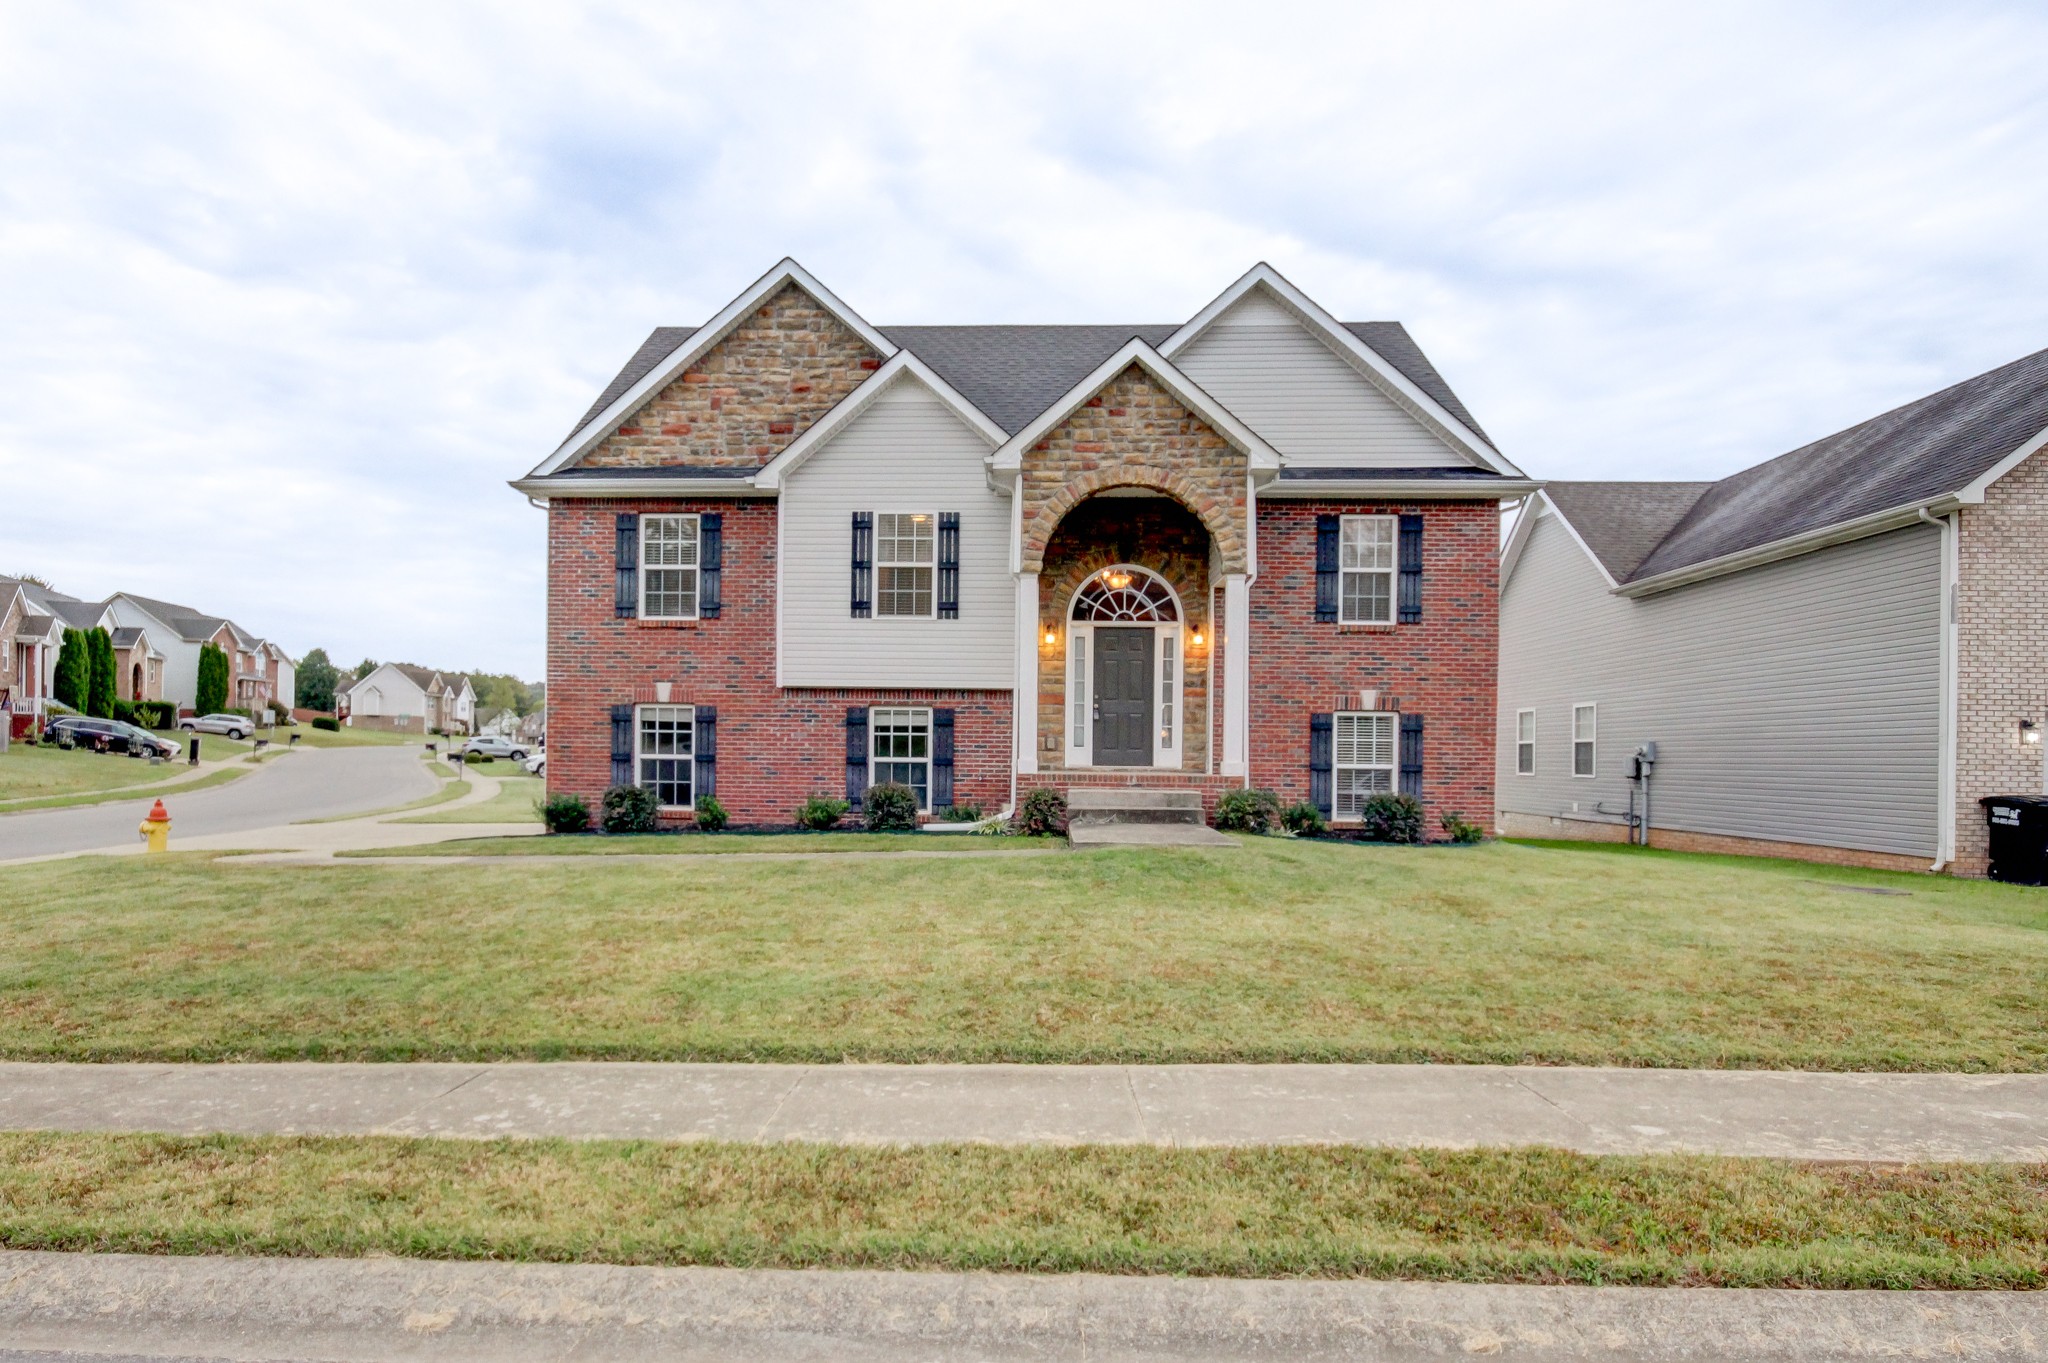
(234, 726)
(492, 745)
(537, 764)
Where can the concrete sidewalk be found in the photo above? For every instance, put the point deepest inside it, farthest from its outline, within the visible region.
(1599, 1111)
(400, 1311)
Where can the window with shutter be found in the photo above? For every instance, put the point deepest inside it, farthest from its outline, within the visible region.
(707, 751)
(1366, 561)
(710, 564)
(665, 745)
(1326, 568)
(1411, 569)
(669, 567)
(902, 750)
(1362, 760)
(863, 563)
(856, 752)
(622, 745)
(1411, 756)
(949, 565)
(1319, 763)
(942, 759)
(626, 554)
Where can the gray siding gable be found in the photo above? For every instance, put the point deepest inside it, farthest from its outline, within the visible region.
(1798, 701)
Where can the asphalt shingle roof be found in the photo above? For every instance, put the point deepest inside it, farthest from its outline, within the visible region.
(1623, 522)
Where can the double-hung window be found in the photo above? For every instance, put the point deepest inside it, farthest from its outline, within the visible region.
(1362, 760)
(906, 563)
(1525, 742)
(1585, 725)
(1366, 563)
(664, 753)
(668, 567)
(900, 750)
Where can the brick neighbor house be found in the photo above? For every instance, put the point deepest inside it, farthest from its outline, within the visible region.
(792, 553)
(1836, 652)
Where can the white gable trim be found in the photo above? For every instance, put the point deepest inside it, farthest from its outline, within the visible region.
(1525, 525)
(1008, 457)
(694, 349)
(1361, 356)
(394, 674)
(902, 364)
(1973, 494)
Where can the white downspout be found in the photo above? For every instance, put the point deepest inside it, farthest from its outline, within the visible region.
(1951, 573)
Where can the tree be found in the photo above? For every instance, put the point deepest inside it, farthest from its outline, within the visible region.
(73, 679)
(317, 681)
(102, 685)
(365, 668)
(35, 580)
(213, 680)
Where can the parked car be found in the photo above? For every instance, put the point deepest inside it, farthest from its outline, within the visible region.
(234, 726)
(537, 764)
(110, 735)
(494, 745)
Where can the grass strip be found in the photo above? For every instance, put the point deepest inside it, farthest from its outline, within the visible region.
(516, 802)
(699, 844)
(1493, 1216)
(218, 777)
(451, 788)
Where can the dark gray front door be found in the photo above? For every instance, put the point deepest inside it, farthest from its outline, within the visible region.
(1123, 697)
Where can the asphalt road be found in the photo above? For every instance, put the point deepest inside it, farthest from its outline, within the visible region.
(309, 784)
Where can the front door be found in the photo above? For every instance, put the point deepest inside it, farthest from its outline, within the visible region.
(1123, 697)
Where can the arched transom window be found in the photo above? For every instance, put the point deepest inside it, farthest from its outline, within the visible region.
(1121, 592)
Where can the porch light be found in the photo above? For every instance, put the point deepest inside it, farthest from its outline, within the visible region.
(1051, 637)
(1198, 639)
(2030, 732)
(1116, 580)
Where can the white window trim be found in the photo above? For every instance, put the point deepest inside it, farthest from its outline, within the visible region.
(1529, 742)
(1392, 572)
(1592, 742)
(930, 748)
(1392, 766)
(690, 721)
(1081, 683)
(875, 566)
(695, 570)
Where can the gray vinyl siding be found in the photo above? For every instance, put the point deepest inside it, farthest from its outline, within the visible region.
(1799, 701)
(906, 452)
(1312, 406)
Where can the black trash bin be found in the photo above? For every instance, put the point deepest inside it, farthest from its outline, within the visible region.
(2019, 837)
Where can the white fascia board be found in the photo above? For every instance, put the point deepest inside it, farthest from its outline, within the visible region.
(1877, 523)
(1405, 489)
(1973, 494)
(1547, 505)
(542, 489)
(1518, 537)
(1360, 355)
(1185, 391)
(694, 349)
(903, 364)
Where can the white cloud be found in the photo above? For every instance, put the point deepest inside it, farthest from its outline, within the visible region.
(289, 293)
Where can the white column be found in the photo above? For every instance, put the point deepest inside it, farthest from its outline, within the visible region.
(1237, 673)
(1024, 696)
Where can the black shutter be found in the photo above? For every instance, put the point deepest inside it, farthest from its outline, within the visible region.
(622, 745)
(856, 752)
(706, 752)
(627, 544)
(863, 562)
(942, 759)
(1319, 764)
(949, 565)
(710, 563)
(1411, 755)
(1411, 571)
(1326, 569)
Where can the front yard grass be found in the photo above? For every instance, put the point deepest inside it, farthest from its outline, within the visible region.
(702, 844)
(32, 771)
(1277, 950)
(514, 803)
(1528, 1216)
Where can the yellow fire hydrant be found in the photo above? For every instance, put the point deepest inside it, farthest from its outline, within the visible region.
(156, 828)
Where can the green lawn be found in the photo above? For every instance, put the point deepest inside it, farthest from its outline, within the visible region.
(514, 803)
(220, 776)
(1530, 1216)
(1277, 950)
(32, 771)
(702, 844)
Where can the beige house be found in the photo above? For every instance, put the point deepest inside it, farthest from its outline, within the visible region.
(403, 697)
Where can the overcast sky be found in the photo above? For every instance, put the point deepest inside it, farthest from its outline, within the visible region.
(288, 292)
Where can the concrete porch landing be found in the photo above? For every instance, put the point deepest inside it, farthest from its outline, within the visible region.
(1139, 816)
(1145, 835)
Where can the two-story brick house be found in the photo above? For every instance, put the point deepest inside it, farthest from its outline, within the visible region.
(791, 552)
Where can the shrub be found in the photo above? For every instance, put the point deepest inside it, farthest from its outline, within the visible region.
(1459, 829)
(967, 813)
(1043, 812)
(1303, 820)
(331, 725)
(890, 807)
(72, 679)
(155, 714)
(212, 693)
(630, 809)
(1392, 818)
(124, 710)
(562, 813)
(711, 815)
(1248, 811)
(821, 812)
(479, 758)
(102, 690)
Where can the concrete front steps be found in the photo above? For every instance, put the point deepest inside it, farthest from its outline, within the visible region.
(1138, 816)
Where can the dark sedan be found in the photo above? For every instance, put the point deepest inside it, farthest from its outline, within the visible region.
(109, 735)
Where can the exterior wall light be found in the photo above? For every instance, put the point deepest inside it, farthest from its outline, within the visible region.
(1051, 637)
(2030, 732)
(1197, 641)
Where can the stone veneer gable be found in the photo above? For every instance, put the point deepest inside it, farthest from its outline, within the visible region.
(750, 395)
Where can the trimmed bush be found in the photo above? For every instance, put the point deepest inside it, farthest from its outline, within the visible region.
(101, 689)
(890, 807)
(562, 813)
(124, 710)
(155, 714)
(967, 813)
(1459, 829)
(821, 812)
(711, 815)
(329, 724)
(1304, 820)
(631, 809)
(213, 680)
(1248, 811)
(1043, 813)
(72, 680)
(1392, 818)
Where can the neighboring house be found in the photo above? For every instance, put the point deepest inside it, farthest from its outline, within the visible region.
(792, 552)
(499, 722)
(533, 728)
(1836, 652)
(258, 670)
(404, 697)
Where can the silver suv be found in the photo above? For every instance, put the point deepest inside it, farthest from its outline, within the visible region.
(234, 726)
(494, 745)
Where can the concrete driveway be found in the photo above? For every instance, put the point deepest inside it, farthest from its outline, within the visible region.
(311, 783)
